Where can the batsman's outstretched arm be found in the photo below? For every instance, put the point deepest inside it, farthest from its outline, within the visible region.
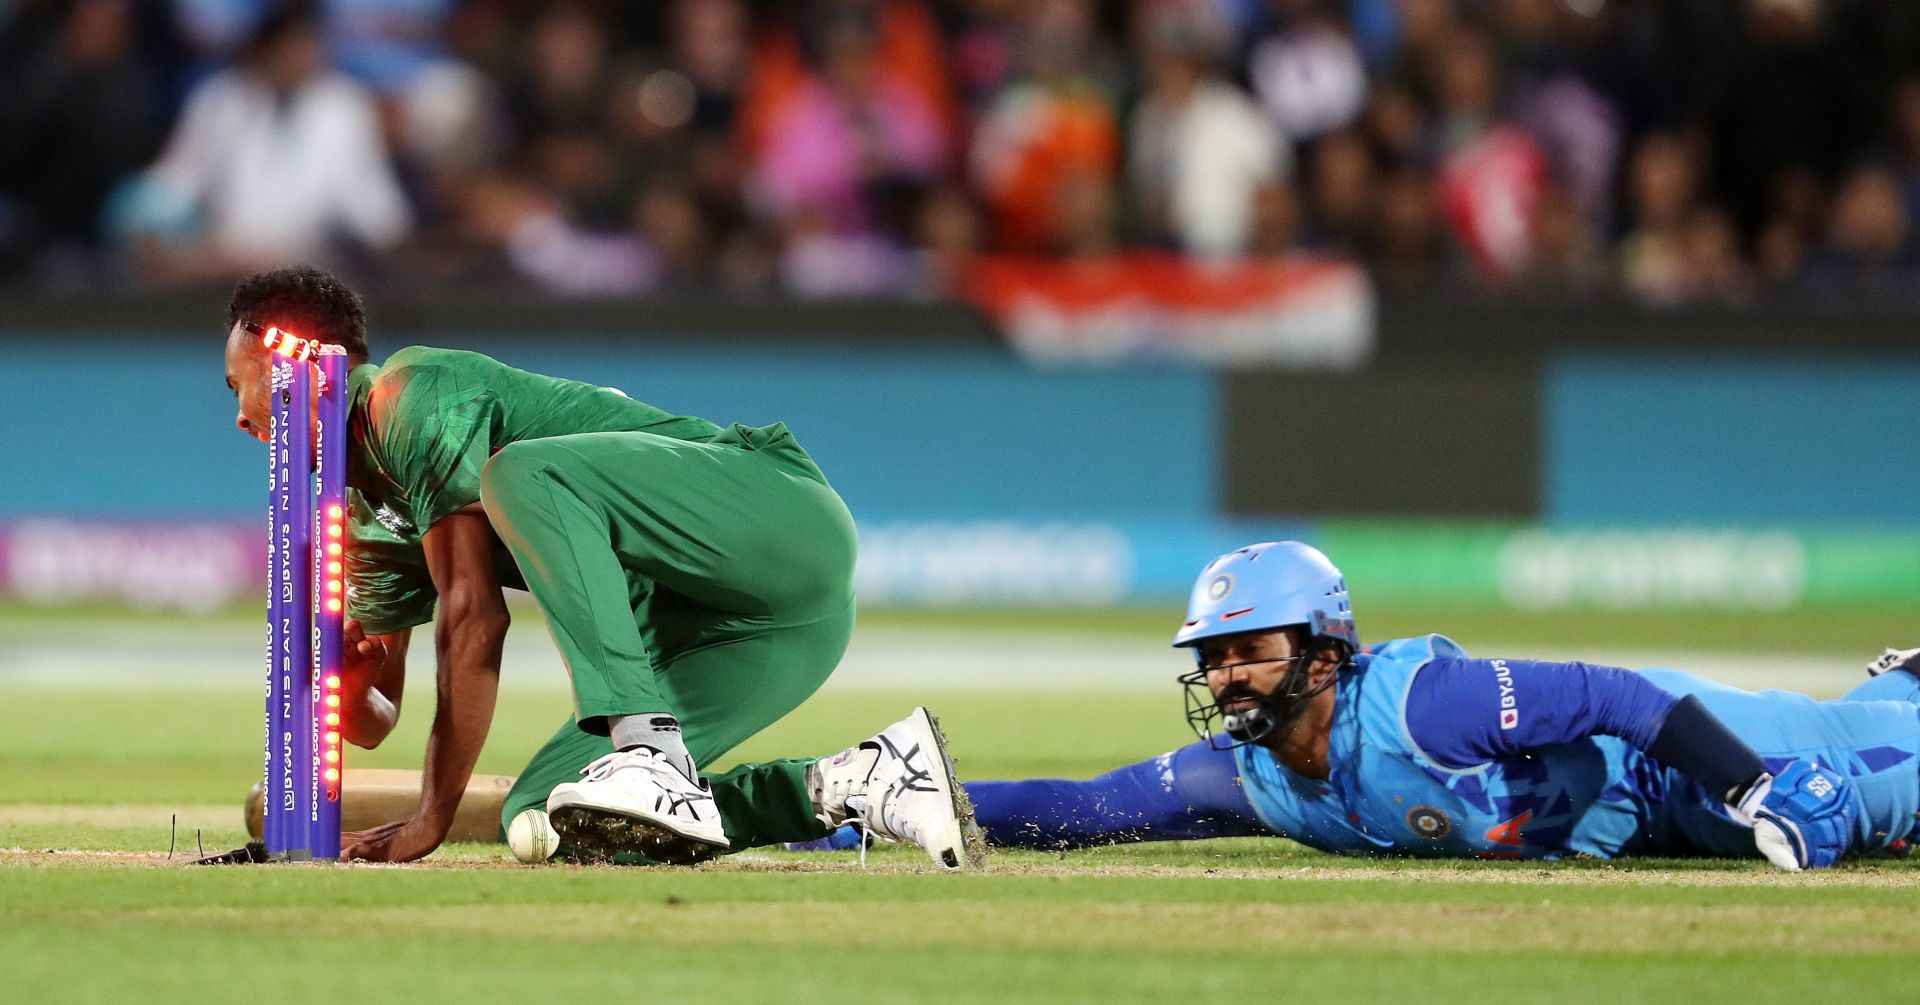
(468, 639)
(1185, 795)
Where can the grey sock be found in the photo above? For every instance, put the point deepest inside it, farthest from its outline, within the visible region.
(659, 731)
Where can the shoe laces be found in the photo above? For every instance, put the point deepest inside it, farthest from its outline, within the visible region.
(866, 829)
(837, 787)
(604, 765)
(864, 811)
(646, 759)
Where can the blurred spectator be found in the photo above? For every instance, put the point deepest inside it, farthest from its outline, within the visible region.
(1087, 226)
(561, 84)
(1579, 132)
(904, 46)
(283, 158)
(1493, 172)
(1795, 221)
(531, 231)
(388, 44)
(450, 125)
(1052, 130)
(1407, 231)
(1424, 29)
(948, 232)
(218, 28)
(1662, 181)
(850, 130)
(1202, 150)
(823, 261)
(1566, 254)
(1309, 74)
(77, 116)
(1276, 223)
(1869, 247)
(667, 217)
(1341, 183)
(1396, 125)
(983, 50)
(711, 49)
(1790, 100)
(1711, 268)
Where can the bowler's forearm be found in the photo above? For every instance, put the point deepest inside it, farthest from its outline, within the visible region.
(469, 648)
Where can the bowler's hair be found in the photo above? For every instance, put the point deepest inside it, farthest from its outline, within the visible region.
(308, 302)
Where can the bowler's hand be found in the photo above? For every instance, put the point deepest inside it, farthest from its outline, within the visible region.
(367, 651)
(399, 841)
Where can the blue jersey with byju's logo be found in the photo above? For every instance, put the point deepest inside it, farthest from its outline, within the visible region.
(1433, 753)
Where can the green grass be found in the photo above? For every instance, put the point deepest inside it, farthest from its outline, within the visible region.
(64, 746)
(1799, 631)
(105, 770)
(1171, 925)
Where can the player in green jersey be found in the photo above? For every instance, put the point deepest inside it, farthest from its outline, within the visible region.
(697, 580)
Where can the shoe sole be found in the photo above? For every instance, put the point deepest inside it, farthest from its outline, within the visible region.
(971, 852)
(602, 834)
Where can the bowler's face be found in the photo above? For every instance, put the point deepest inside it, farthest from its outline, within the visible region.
(248, 377)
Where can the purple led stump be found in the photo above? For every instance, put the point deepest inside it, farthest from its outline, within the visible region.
(306, 597)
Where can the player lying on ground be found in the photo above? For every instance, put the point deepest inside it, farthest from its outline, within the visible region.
(697, 579)
(1417, 749)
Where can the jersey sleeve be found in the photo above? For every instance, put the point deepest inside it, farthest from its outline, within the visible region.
(432, 439)
(388, 587)
(1185, 795)
(1464, 712)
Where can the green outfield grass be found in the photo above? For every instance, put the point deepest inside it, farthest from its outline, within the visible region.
(98, 782)
(1801, 630)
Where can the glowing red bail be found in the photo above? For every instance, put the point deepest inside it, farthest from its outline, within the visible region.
(287, 344)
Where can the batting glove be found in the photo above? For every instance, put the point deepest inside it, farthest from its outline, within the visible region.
(1802, 818)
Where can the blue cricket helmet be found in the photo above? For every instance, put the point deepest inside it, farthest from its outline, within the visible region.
(1269, 585)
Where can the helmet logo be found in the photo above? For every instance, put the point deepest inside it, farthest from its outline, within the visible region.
(1220, 587)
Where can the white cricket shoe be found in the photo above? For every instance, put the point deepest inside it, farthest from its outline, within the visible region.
(900, 786)
(636, 801)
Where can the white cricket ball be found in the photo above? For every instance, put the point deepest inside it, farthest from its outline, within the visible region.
(531, 837)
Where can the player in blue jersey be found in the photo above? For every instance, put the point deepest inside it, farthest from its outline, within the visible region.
(1415, 748)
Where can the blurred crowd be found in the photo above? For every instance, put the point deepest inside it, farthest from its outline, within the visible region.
(1674, 151)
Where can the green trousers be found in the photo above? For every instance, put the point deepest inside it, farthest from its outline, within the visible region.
(710, 580)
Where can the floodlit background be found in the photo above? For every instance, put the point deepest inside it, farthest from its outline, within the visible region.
(1568, 327)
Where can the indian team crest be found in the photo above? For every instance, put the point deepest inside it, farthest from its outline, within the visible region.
(1429, 823)
(1220, 587)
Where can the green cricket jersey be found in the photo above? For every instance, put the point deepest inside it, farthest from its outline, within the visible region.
(422, 426)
